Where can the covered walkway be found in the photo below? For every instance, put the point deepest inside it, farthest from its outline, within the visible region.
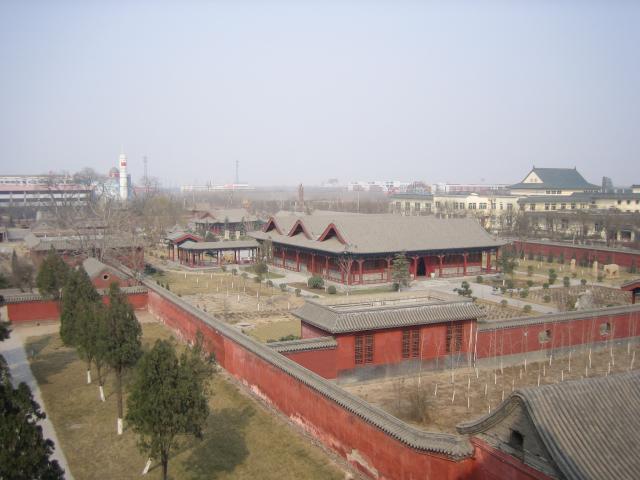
(207, 254)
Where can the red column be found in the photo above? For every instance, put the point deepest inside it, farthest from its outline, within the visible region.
(360, 263)
(313, 264)
(441, 258)
(388, 269)
(415, 266)
(464, 264)
(326, 267)
(349, 265)
(219, 257)
(488, 261)
(284, 257)
(297, 260)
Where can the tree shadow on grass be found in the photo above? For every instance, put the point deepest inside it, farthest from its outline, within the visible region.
(50, 362)
(223, 446)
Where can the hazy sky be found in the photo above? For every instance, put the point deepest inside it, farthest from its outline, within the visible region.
(302, 91)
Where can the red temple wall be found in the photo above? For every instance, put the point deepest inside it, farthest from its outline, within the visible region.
(624, 259)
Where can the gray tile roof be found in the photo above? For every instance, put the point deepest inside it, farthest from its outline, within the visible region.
(233, 215)
(380, 233)
(304, 344)
(557, 317)
(590, 427)
(43, 244)
(557, 178)
(23, 297)
(229, 245)
(354, 317)
(94, 267)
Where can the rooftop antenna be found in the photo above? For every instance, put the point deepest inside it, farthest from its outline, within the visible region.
(146, 174)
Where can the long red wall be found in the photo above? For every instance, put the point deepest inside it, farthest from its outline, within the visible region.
(591, 253)
(42, 310)
(367, 447)
(517, 339)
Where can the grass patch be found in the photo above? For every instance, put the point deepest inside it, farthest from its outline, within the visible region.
(267, 276)
(241, 441)
(275, 330)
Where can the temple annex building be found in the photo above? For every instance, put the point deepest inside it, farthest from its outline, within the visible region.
(357, 249)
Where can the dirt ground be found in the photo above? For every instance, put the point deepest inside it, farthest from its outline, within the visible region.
(237, 300)
(428, 401)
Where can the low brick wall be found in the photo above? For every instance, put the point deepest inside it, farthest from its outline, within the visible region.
(32, 307)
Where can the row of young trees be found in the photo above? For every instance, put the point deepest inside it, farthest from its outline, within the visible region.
(168, 395)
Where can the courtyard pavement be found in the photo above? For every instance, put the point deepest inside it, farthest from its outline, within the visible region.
(14, 353)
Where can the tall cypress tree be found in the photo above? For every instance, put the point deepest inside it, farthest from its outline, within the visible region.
(122, 345)
(400, 270)
(168, 399)
(52, 274)
(77, 294)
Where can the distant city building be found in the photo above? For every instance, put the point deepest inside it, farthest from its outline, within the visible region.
(482, 188)
(41, 191)
(209, 187)
(384, 186)
(607, 185)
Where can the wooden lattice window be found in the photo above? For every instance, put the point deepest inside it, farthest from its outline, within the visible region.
(411, 343)
(364, 349)
(454, 338)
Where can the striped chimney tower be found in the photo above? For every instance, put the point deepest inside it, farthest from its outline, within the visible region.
(124, 179)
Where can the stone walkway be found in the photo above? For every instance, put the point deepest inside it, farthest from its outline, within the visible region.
(14, 353)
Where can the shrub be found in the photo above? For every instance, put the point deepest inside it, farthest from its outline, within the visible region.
(464, 289)
(315, 282)
(530, 271)
(297, 291)
(526, 309)
(223, 268)
(546, 298)
(395, 286)
(479, 279)
(509, 284)
(257, 278)
(269, 283)
(529, 283)
(552, 276)
(545, 285)
(566, 281)
(583, 281)
(331, 290)
(600, 277)
(524, 293)
(149, 269)
(234, 271)
(283, 287)
(503, 303)
(260, 268)
(574, 275)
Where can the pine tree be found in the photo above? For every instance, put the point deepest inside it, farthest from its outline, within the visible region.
(24, 453)
(52, 274)
(90, 334)
(78, 287)
(21, 273)
(168, 398)
(400, 271)
(122, 347)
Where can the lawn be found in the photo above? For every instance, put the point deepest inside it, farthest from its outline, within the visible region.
(242, 440)
(267, 276)
(276, 330)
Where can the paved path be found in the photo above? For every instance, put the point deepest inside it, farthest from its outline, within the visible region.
(484, 292)
(14, 353)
